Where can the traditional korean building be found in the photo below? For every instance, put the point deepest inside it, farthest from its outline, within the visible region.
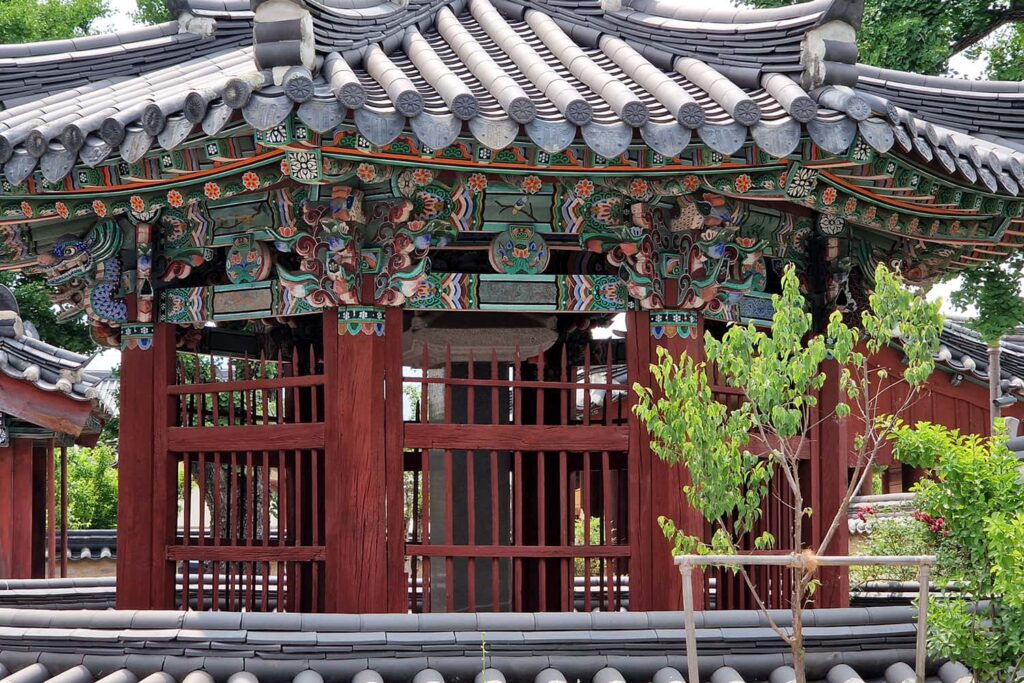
(363, 259)
(47, 402)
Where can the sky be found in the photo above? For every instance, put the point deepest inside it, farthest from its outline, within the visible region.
(120, 19)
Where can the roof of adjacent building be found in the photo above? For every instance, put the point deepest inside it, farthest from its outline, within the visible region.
(626, 647)
(608, 71)
(26, 358)
(962, 350)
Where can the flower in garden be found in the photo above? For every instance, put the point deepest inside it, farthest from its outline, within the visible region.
(175, 199)
(250, 180)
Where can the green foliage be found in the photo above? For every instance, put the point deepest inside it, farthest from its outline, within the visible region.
(994, 291)
(32, 294)
(972, 499)
(732, 455)
(911, 35)
(151, 12)
(92, 488)
(25, 21)
(893, 536)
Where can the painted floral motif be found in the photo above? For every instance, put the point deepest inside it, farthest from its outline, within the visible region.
(584, 188)
(954, 228)
(422, 176)
(638, 188)
(26, 209)
(366, 172)
(743, 183)
(804, 181)
(691, 183)
(211, 190)
(894, 220)
(175, 199)
(99, 208)
(851, 205)
(531, 184)
(869, 214)
(913, 224)
(831, 225)
(62, 209)
(137, 203)
(477, 182)
(303, 166)
(828, 197)
(284, 167)
(250, 180)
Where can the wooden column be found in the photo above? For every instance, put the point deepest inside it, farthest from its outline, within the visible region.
(147, 481)
(16, 499)
(655, 583)
(355, 556)
(829, 476)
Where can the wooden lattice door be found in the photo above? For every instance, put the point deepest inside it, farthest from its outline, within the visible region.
(247, 444)
(517, 487)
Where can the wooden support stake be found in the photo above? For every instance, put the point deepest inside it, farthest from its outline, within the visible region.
(924, 578)
(692, 670)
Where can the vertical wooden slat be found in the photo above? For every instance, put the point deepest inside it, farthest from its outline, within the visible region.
(394, 461)
(51, 512)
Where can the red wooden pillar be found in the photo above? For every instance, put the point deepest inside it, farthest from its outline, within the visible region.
(147, 496)
(356, 558)
(16, 510)
(829, 478)
(655, 583)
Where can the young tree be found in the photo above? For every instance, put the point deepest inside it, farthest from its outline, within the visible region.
(971, 504)
(732, 455)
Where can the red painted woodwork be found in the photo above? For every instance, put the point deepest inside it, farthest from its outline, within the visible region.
(246, 438)
(516, 437)
(49, 409)
(524, 483)
(22, 509)
(828, 485)
(518, 475)
(135, 463)
(354, 471)
(662, 484)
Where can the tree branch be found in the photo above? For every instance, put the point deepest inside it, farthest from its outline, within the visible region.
(998, 20)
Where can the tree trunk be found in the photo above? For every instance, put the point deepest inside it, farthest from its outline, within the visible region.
(994, 380)
(796, 642)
